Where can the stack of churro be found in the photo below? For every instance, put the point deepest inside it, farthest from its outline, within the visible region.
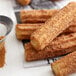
(33, 19)
(52, 33)
(60, 46)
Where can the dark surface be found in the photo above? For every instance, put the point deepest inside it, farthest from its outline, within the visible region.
(17, 14)
(42, 4)
(25, 41)
(38, 4)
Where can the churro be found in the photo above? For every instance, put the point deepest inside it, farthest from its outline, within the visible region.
(24, 31)
(65, 66)
(36, 16)
(60, 46)
(53, 27)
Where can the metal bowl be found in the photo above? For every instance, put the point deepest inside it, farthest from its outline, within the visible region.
(8, 24)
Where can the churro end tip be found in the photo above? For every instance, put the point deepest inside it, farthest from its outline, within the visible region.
(55, 70)
(34, 43)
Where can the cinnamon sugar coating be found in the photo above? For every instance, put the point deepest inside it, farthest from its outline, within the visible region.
(65, 66)
(53, 27)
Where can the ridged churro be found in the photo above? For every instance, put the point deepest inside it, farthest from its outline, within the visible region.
(60, 46)
(65, 66)
(53, 27)
(23, 2)
(36, 16)
(24, 31)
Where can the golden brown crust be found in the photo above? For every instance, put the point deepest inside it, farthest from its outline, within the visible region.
(32, 55)
(24, 31)
(71, 29)
(23, 37)
(65, 65)
(60, 46)
(24, 2)
(53, 27)
(36, 16)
